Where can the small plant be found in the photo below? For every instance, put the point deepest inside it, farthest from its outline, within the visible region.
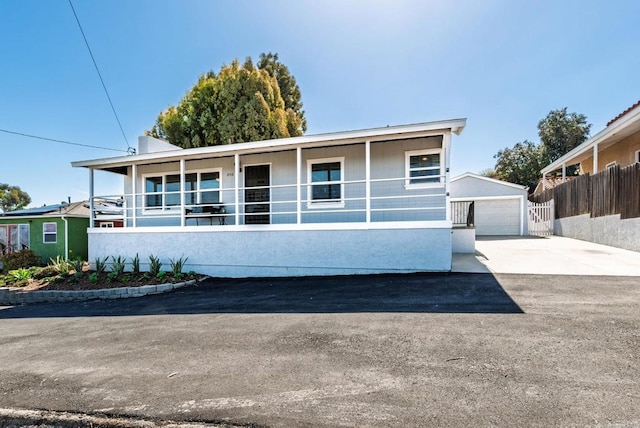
(101, 264)
(77, 265)
(125, 278)
(154, 265)
(111, 276)
(93, 278)
(162, 275)
(61, 265)
(135, 264)
(177, 265)
(118, 265)
(21, 273)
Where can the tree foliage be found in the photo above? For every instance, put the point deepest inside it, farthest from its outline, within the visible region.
(521, 164)
(12, 198)
(560, 132)
(241, 103)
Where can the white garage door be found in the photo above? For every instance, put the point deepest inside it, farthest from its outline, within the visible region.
(498, 217)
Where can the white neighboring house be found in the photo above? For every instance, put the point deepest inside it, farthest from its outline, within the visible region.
(355, 202)
(500, 208)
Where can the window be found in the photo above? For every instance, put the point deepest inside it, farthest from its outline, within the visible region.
(637, 159)
(14, 237)
(106, 224)
(163, 191)
(423, 168)
(611, 164)
(50, 233)
(325, 176)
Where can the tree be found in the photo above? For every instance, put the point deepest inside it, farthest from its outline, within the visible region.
(560, 132)
(12, 198)
(521, 164)
(241, 103)
(288, 87)
(489, 172)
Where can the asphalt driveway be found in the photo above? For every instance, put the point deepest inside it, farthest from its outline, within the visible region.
(415, 350)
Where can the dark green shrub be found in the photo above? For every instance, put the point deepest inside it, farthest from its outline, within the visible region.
(19, 259)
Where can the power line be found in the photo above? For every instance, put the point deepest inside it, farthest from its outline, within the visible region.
(60, 141)
(129, 148)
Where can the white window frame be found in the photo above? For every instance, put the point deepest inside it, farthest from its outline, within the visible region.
(324, 203)
(637, 157)
(107, 224)
(407, 168)
(168, 208)
(19, 245)
(611, 165)
(45, 233)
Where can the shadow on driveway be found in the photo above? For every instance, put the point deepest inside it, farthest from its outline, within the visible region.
(419, 293)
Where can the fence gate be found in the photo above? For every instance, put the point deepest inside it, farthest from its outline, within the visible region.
(541, 218)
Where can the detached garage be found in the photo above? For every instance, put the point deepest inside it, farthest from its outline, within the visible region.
(500, 207)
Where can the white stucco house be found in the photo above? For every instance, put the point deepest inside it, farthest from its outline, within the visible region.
(354, 202)
(500, 207)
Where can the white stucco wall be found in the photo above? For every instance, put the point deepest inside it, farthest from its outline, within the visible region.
(268, 253)
(607, 230)
(464, 240)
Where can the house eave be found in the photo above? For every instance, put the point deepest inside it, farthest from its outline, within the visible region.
(616, 131)
(116, 164)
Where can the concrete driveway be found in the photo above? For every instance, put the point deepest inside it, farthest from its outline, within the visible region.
(555, 255)
(403, 350)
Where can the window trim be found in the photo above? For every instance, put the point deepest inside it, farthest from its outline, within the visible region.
(637, 157)
(163, 208)
(324, 203)
(407, 168)
(45, 233)
(610, 165)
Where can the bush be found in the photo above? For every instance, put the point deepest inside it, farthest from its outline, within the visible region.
(19, 259)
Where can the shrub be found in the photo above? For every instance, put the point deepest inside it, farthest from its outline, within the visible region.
(135, 264)
(93, 278)
(117, 267)
(19, 259)
(162, 275)
(101, 264)
(154, 265)
(61, 265)
(177, 265)
(77, 265)
(21, 273)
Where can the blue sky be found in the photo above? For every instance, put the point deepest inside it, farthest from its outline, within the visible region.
(359, 64)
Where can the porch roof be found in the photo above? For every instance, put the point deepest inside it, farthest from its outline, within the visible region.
(119, 164)
(625, 124)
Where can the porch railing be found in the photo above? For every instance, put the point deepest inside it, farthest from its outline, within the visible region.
(463, 213)
(375, 200)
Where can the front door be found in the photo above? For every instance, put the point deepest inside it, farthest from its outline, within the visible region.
(257, 195)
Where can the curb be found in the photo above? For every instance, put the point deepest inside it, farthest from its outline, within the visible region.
(17, 296)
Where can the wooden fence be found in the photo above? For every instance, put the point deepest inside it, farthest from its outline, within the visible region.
(612, 191)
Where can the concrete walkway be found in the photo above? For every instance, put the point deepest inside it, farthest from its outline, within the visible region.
(555, 255)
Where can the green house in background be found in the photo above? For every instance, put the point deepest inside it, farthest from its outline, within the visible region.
(49, 231)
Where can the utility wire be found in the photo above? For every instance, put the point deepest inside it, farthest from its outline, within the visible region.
(129, 148)
(61, 141)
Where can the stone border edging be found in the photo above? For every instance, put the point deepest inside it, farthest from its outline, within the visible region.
(17, 296)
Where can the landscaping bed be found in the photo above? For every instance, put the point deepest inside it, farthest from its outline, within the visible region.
(75, 275)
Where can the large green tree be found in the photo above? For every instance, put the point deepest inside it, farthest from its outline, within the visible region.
(521, 164)
(560, 132)
(241, 103)
(12, 198)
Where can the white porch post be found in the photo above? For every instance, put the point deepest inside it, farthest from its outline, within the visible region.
(298, 185)
(134, 196)
(91, 189)
(183, 218)
(367, 180)
(595, 158)
(236, 178)
(564, 172)
(446, 141)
